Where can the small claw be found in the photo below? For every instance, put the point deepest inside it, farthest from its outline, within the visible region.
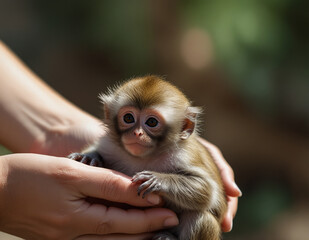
(143, 186)
(140, 189)
(134, 179)
(148, 190)
(151, 188)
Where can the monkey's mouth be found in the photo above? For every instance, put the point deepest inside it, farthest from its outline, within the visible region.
(138, 149)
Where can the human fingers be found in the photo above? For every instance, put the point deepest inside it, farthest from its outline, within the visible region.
(144, 236)
(230, 186)
(99, 219)
(112, 186)
(226, 172)
(227, 222)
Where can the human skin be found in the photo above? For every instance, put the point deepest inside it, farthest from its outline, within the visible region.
(44, 197)
(36, 119)
(231, 189)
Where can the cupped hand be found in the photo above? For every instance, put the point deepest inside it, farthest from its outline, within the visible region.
(43, 197)
(231, 189)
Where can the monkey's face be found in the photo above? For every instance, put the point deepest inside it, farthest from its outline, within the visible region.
(140, 129)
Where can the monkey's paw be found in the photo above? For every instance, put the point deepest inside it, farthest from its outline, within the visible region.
(151, 182)
(92, 159)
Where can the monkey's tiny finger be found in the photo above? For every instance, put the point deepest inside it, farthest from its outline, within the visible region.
(147, 191)
(134, 179)
(75, 156)
(139, 190)
(138, 178)
(94, 162)
(143, 173)
(143, 187)
(85, 160)
(152, 187)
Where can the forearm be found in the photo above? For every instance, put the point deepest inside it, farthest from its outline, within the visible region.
(30, 110)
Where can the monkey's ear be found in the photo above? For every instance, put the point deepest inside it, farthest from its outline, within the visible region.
(190, 122)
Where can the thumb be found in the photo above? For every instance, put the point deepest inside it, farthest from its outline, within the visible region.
(113, 186)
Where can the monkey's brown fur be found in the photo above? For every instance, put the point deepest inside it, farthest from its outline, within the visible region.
(178, 167)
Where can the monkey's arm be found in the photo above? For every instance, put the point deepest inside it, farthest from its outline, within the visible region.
(184, 189)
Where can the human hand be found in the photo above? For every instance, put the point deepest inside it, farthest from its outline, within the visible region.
(43, 197)
(231, 189)
(76, 131)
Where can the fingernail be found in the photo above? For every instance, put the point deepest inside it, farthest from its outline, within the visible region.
(240, 193)
(171, 222)
(153, 199)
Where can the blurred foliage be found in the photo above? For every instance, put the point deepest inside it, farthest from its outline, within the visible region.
(261, 44)
(264, 45)
(4, 151)
(261, 205)
(122, 31)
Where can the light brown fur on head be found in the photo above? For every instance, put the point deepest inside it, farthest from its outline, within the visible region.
(145, 92)
(153, 92)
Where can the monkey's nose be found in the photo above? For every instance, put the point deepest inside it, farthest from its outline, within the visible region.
(138, 132)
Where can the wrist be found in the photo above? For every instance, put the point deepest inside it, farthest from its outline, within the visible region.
(71, 131)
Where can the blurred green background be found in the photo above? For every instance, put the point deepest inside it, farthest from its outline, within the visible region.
(245, 61)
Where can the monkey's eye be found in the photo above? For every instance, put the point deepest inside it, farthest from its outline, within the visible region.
(152, 122)
(128, 118)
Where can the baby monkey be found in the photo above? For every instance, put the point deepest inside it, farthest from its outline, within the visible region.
(152, 137)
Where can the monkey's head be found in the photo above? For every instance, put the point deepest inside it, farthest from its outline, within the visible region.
(148, 114)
